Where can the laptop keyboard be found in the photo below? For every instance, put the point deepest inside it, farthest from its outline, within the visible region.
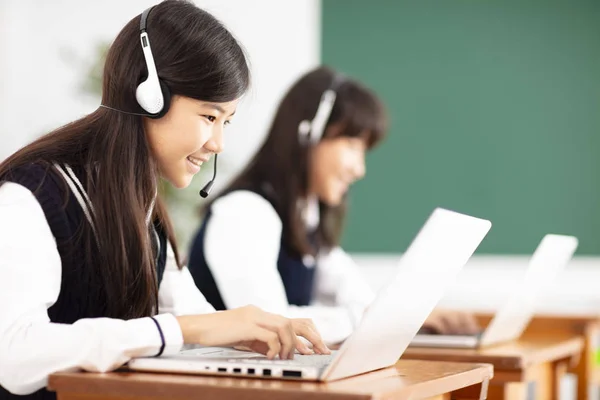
(316, 360)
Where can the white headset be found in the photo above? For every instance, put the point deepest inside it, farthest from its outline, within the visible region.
(312, 131)
(152, 94)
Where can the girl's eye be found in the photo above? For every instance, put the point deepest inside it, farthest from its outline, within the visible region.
(211, 118)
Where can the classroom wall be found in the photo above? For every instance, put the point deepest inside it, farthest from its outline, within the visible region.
(44, 51)
(495, 112)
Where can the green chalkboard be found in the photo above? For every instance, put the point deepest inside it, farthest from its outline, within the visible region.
(495, 112)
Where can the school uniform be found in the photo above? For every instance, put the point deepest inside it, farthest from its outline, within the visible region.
(240, 256)
(51, 304)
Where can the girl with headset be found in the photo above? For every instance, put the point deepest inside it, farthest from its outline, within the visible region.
(272, 237)
(90, 275)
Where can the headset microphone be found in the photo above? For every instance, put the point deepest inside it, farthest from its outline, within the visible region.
(205, 191)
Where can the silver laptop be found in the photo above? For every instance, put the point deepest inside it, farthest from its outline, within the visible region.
(551, 256)
(440, 250)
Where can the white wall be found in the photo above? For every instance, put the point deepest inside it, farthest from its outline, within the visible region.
(487, 281)
(40, 84)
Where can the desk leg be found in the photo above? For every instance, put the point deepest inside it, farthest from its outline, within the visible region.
(590, 330)
(475, 392)
(535, 383)
(494, 391)
(540, 382)
(584, 369)
(507, 391)
(561, 368)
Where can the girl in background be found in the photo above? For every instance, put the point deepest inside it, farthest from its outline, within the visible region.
(272, 237)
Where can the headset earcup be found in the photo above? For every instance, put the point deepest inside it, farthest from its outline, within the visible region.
(166, 93)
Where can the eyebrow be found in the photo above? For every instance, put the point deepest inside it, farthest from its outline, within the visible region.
(218, 108)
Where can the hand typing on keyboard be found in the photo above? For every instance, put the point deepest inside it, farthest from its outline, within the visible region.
(444, 322)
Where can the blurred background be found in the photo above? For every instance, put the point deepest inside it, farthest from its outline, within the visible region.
(494, 106)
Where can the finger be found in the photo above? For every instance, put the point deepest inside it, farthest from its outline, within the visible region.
(309, 325)
(434, 324)
(286, 337)
(270, 338)
(445, 321)
(306, 331)
(459, 323)
(302, 347)
(470, 324)
(313, 327)
(445, 324)
(288, 340)
(285, 332)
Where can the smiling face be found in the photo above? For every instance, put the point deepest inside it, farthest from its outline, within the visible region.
(336, 163)
(187, 136)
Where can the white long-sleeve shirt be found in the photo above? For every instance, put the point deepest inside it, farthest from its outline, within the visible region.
(32, 347)
(241, 246)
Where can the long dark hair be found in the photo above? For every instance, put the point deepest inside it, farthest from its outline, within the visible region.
(196, 57)
(281, 164)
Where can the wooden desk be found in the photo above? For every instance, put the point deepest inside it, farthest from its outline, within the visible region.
(588, 327)
(525, 369)
(409, 379)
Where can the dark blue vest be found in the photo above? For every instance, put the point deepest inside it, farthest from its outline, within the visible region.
(297, 277)
(80, 295)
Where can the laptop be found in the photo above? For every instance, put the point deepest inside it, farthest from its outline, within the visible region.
(440, 250)
(551, 256)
